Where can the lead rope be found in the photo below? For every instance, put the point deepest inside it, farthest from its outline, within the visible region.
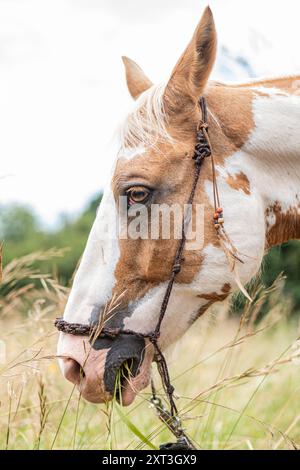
(203, 149)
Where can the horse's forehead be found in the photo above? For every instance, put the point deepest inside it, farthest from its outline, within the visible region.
(127, 154)
(157, 163)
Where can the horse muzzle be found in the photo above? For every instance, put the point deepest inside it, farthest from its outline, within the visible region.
(107, 368)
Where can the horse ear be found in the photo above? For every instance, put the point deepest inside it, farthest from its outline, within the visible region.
(193, 69)
(137, 81)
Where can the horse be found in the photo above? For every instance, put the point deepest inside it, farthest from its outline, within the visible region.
(121, 279)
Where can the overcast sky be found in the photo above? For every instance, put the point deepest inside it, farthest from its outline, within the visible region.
(62, 87)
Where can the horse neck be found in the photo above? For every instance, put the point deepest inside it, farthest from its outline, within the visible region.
(269, 156)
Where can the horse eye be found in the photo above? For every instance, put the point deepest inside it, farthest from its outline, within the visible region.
(137, 195)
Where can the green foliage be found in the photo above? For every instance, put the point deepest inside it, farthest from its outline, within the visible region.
(17, 223)
(285, 258)
(21, 281)
(22, 234)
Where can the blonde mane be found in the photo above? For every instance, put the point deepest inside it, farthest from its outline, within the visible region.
(146, 124)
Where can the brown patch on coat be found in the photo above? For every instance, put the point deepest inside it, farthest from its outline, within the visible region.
(226, 288)
(211, 299)
(203, 309)
(289, 84)
(239, 181)
(226, 103)
(145, 263)
(286, 226)
(214, 296)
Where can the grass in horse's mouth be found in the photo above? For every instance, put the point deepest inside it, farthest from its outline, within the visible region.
(127, 370)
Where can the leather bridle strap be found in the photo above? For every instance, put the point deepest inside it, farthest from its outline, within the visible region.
(202, 150)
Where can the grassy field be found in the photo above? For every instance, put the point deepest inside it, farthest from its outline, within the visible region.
(237, 380)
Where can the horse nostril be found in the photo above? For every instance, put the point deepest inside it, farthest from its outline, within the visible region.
(72, 370)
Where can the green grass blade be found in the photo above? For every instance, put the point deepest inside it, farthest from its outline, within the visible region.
(133, 428)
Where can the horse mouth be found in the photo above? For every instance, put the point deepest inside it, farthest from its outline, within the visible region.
(127, 368)
(132, 377)
(122, 373)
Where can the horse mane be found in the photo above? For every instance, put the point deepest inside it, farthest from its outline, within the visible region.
(146, 124)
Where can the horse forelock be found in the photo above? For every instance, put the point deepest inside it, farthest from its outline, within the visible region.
(146, 124)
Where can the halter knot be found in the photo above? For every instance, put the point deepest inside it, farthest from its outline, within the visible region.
(202, 147)
(170, 389)
(153, 337)
(203, 125)
(176, 268)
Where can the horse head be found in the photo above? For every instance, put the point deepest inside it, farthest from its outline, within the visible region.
(122, 277)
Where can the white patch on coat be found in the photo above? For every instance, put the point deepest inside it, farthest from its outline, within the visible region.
(131, 152)
(271, 91)
(270, 220)
(271, 157)
(276, 130)
(95, 279)
(182, 304)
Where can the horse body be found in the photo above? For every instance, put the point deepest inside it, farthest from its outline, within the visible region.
(254, 134)
(267, 163)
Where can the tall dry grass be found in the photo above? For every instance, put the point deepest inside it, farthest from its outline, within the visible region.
(237, 379)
